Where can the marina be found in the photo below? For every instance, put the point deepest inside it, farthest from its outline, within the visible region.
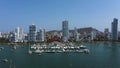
(57, 47)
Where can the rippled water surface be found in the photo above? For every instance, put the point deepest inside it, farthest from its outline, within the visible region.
(102, 55)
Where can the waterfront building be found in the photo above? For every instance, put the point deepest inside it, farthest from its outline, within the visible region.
(32, 33)
(25, 39)
(119, 35)
(16, 35)
(13, 37)
(76, 34)
(114, 29)
(65, 31)
(106, 34)
(56, 34)
(93, 35)
(5, 34)
(41, 35)
(19, 34)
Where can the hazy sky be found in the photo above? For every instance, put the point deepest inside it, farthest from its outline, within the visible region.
(49, 14)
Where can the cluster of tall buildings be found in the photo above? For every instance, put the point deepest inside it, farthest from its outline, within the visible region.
(34, 36)
(17, 35)
(65, 34)
(39, 36)
(113, 35)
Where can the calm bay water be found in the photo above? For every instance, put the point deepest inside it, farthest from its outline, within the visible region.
(102, 55)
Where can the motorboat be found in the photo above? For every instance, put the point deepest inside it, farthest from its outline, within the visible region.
(82, 47)
(86, 51)
(33, 47)
(38, 51)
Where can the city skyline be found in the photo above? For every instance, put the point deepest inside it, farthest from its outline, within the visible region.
(49, 14)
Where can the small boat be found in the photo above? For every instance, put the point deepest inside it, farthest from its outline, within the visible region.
(86, 51)
(82, 47)
(33, 47)
(38, 51)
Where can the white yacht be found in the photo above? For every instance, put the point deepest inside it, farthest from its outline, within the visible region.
(82, 47)
(38, 51)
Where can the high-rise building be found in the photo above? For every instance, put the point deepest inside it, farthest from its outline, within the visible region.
(32, 33)
(41, 35)
(19, 34)
(16, 35)
(114, 29)
(76, 34)
(65, 31)
(13, 37)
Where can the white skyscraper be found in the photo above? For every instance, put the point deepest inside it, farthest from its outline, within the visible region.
(19, 34)
(41, 35)
(65, 31)
(16, 35)
(32, 33)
